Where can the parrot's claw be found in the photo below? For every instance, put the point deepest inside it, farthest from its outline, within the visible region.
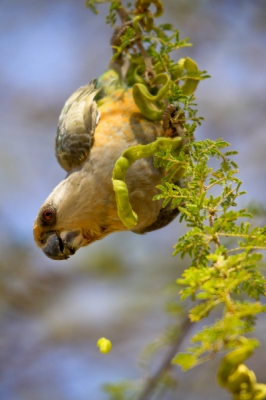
(167, 117)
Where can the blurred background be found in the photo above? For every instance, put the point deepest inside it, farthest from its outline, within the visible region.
(51, 312)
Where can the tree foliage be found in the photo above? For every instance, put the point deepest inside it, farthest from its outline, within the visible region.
(222, 243)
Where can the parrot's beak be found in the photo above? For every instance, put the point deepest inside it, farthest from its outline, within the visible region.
(62, 246)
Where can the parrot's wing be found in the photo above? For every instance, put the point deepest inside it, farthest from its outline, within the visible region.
(76, 126)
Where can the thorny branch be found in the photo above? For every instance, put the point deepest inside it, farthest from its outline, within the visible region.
(126, 22)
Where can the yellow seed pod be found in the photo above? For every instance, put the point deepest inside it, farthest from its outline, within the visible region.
(104, 345)
(138, 72)
(259, 391)
(190, 84)
(177, 69)
(234, 376)
(149, 104)
(159, 8)
(230, 363)
(128, 157)
(146, 4)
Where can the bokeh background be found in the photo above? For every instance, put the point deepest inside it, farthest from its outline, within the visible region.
(52, 313)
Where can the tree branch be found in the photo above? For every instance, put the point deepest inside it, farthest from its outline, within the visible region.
(166, 365)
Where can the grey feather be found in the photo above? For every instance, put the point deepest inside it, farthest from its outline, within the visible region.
(76, 127)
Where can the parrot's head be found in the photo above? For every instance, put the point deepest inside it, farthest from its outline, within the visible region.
(75, 214)
(57, 244)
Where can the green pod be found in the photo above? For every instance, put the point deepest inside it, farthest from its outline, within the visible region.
(241, 377)
(124, 209)
(159, 8)
(149, 104)
(146, 4)
(135, 71)
(177, 69)
(230, 363)
(190, 64)
(190, 84)
(138, 72)
(147, 21)
(259, 391)
(141, 96)
(129, 156)
(136, 21)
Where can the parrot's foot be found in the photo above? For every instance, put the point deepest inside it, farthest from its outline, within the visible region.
(171, 125)
(168, 117)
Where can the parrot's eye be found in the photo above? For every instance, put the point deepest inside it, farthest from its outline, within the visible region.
(48, 214)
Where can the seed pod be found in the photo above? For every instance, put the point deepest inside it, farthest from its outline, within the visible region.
(124, 209)
(148, 103)
(190, 84)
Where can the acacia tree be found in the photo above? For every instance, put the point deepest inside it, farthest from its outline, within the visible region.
(223, 247)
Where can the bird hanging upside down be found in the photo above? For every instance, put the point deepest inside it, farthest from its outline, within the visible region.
(90, 138)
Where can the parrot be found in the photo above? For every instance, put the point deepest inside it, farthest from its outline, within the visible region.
(97, 124)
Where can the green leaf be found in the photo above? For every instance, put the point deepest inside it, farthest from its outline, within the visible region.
(185, 361)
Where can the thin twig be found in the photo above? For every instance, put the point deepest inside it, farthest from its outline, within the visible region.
(122, 14)
(125, 20)
(243, 248)
(166, 365)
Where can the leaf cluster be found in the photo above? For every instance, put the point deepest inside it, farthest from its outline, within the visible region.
(224, 248)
